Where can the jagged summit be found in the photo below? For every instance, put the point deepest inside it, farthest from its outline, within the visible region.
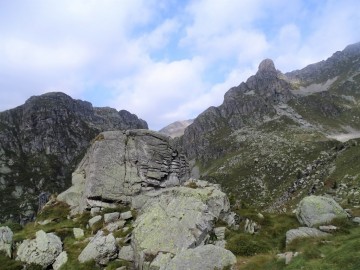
(267, 65)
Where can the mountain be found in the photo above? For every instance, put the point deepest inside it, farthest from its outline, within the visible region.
(271, 140)
(176, 129)
(42, 141)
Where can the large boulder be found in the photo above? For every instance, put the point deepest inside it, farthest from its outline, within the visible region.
(208, 257)
(43, 250)
(176, 219)
(6, 240)
(317, 210)
(303, 232)
(121, 164)
(102, 248)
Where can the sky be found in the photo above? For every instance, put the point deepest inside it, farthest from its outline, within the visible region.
(164, 60)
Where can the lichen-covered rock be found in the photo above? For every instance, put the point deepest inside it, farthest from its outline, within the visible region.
(126, 253)
(317, 210)
(111, 217)
(60, 260)
(6, 240)
(43, 250)
(303, 232)
(208, 257)
(102, 248)
(120, 165)
(176, 218)
(78, 233)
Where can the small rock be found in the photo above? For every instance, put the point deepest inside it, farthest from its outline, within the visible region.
(126, 253)
(261, 216)
(60, 260)
(6, 240)
(43, 250)
(115, 225)
(78, 233)
(111, 217)
(126, 215)
(102, 248)
(220, 233)
(356, 220)
(303, 232)
(328, 228)
(94, 220)
(95, 211)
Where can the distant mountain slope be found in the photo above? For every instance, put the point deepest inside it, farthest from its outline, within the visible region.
(176, 129)
(42, 141)
(269, 143)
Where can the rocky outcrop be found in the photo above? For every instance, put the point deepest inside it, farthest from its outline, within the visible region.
(43, 250)
(317, 210)
(42, 141)
(303, 232)
(120, 165)
(102, 248)
(6, 240)
(208, 257)
(175, 219)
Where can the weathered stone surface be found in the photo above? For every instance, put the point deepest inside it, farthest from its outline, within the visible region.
(303, 232)
(78, 233)
(102, 248)
(175, 219)
(120, 165)
(126, 215)
(43, 250)
(111, 217)
(94, 220)
(208, 257)
(126, 253)
(6, 240)
(317, 210)
(60, 260)
(328, 228)
(161, 261)
(113, 226)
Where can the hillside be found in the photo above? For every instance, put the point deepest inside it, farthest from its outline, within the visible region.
(272, 142)
(176, 129)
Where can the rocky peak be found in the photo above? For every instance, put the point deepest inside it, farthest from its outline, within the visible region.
(267, 66)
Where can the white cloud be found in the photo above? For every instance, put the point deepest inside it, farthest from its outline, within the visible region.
(164, 60)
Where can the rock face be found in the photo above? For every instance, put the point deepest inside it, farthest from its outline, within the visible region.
(42, 141)
(208, 257)
(303, 232)
(43, 250)
(317, 210)
(6, 242)
(102, 248)
(175, 219)
(120, 165)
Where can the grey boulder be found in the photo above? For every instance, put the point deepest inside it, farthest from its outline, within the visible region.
(176, 219)
(121, 164)
(303, 232)
(6, 240)
(318, 210)
(60, 260)
(102, 248)
(43, 250)
(208, 257)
